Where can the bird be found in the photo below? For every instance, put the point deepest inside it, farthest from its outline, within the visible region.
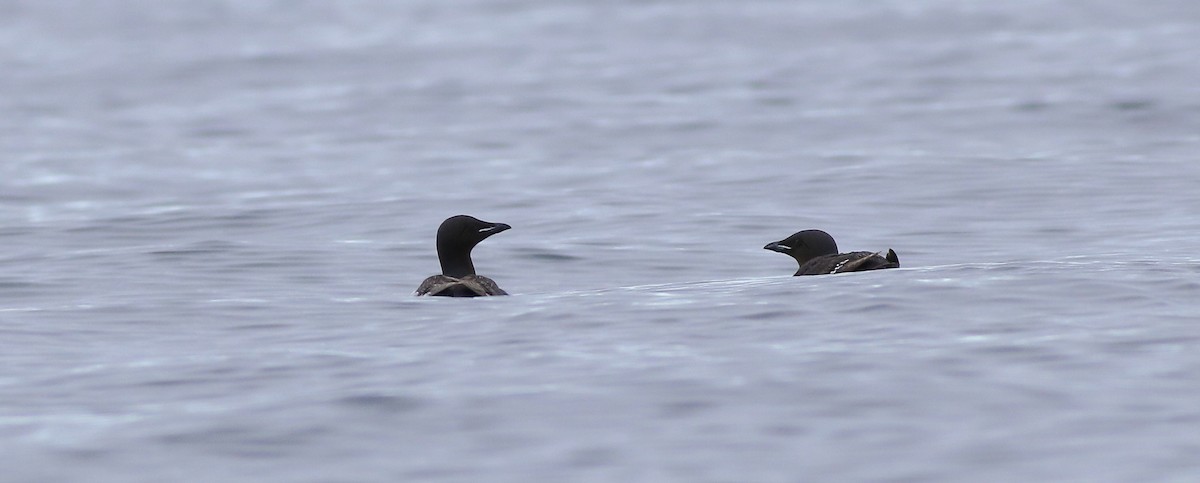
(455, 238)
(817, 254)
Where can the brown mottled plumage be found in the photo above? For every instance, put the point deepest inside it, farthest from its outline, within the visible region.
(468, 286)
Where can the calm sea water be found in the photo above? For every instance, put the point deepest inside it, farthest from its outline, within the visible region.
(213, 215)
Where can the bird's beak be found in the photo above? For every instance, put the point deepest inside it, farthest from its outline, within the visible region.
(495, 228)
(776, 247)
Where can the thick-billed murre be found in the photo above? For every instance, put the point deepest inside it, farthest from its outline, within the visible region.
(817, 254)
(455, 239)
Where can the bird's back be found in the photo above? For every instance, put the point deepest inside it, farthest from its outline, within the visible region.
(468, 286)
(849, 262)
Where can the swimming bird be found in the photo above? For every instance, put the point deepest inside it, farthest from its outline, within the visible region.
(455, 239)
(817, 254)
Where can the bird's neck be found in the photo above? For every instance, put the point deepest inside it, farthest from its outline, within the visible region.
(456, 262)
(800, 262)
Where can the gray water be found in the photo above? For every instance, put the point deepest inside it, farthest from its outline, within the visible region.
(213, 215)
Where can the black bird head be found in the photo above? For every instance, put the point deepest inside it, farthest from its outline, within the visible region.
(804, 245)
(455, 239)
